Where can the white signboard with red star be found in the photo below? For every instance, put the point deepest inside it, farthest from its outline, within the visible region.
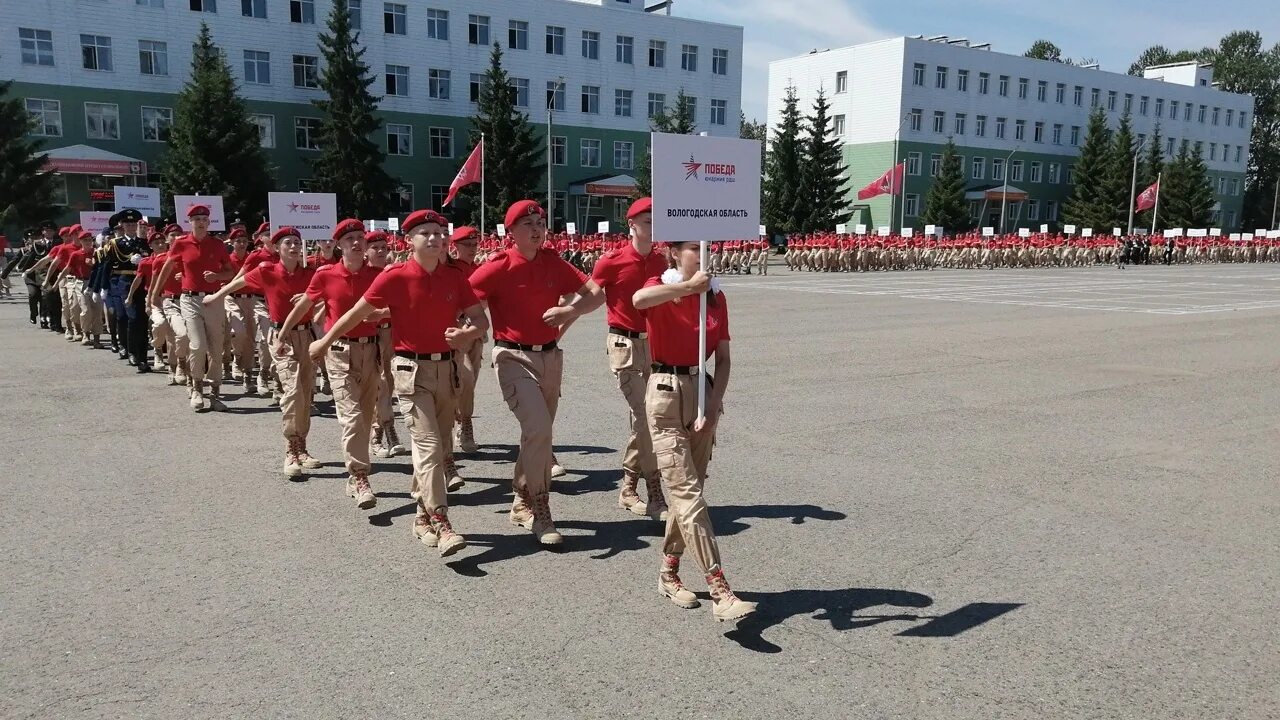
(315, 215)
(705, 189)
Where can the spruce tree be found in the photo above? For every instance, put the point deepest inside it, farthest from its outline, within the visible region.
(29, 189)
(1117, 183)
(945, 206)
(1187, 198)
(782, 170)
(1087, 204)
(351, 161)
(515, 168)
(1149, 169)
(679, 120)
(823, 186)
(213, 149)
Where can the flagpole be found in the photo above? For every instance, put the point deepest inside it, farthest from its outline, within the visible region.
(702, 338)
(1155, 212)
(483, 150)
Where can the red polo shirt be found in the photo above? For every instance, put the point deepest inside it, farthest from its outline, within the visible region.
(423, 304)
(59, 254)
(319, 261)
(238, 260)
(78, 263)
(279, 286)
(673, 328)
(468, 269)
(193, 258)
(340, 289)
(621, 273)
(519, 291)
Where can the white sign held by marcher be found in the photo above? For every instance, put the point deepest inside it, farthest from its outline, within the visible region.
(763, 231)
(95, 221)
(393, 223)
(841, 228)
(1024, 232)
(908, 232)
(1044, 228)
(1087, 232)
(705, 189)
(217, 219)
(1215, 232)
(315, 215)
(602, 227)
(502, 230)
(1069, 229)
(883, 231)
(572, 228)
(1117, 232)
(988, 232)
(930, 230)
(860, 228)
(145, 200)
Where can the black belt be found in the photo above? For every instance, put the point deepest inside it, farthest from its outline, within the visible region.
(193, 293)
(676, 369)
(433, 357)
(243, 295)
(527, 348)
(627, 333)
(342, 342)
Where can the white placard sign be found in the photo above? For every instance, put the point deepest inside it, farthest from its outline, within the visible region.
(1171, 233)
(763, 231)
(930, 229)
(1069, 229)
(988, 232)
(1247, 237)
(1117, 232)
(1272, 234)
(705, 189)
(1197, 232)
(1024, 232)
(1215, 232)
(1044, 228)
(450, 228)
(145, 200)
(1259, 233)
(860, 228)
(883, 231)
(502, 230)
(841, 228)
(1234, 237)
(602, 227)
(1087, 232)
(938, 230)
(908, 232)
(571, 228)
(315, 215)
(393, 224)
(217, 219)
(95, 221)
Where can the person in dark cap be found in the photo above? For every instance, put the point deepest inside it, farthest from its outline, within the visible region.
(122, 260)
(23, 261)
(50, 301)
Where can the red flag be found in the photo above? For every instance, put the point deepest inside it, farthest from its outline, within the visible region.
(889, 183)
(469, 173)
(1147, 199)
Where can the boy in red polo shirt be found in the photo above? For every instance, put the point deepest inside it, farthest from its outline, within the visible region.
(205, 264)
(354, 358)
(523, 286)
(463, 244)
(621, 273)
(425, 295)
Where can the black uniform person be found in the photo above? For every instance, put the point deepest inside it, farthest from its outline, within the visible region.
(29, 256)
(34, 276)
(121, 260)
(1168, 250)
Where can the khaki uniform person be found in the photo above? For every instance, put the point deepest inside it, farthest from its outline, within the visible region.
(621, 273)
(205, 264)
(523, 286)
(354, 359)
(386, 442)
(681, 439)
(425, 294)
(465, 241)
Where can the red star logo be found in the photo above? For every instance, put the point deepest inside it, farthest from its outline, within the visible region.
(691, 169)
(293, 207)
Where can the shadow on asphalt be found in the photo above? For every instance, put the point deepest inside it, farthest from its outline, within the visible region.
(727, 519)
(501, 453)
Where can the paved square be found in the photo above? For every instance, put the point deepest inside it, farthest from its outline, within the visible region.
(957, 494)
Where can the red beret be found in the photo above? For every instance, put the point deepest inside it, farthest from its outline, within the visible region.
(74, 229)
(521, 209)
(285, 232)
(84, 235)
(195, 210)
(421, 217)
(374, 236)
(263, 228)
(643, 205)
(155, 236)
(463, 233)
(62, 231)
(172, 228)
(346, 226)
(236, 234)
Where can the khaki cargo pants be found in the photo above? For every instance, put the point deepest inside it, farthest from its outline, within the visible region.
(469, 368)
(297, 374)
(178, 326)
(428, 393)
(629, 361)
(204, 325)
(530, 384)
(354, 373)
(240, 321)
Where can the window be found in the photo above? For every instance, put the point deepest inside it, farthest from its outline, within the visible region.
(940, 78)
(1222, 186)
(591, 99)
(720, 66)
(1055, 173)
(935, 165)
(266, 129)
(980, 126)
(437, 24)
(590, 45)
(913, 163)
(1033, 209)
(394, 19)
(911, 204)
(399, 139)
(520, 87)
(1143, 102)
(1000, 124)
(517, 35)
(960, 121)
(1203, 110)
(657, 104)
(1078, 96)
(1019, 129)
(1094, 95)
(1169, 146)
(1015, 171)
(156, 124)
(837, 122)
(1230, 112)
(623, 155)
(589, 153)
(622, 50)
(209, 6)
(1060, 94)
(153, 57)
(1215, 117)
(555, 95)
(438, 84)
(302, 11)
(1235, 186)
(397, 80)
(1241, 118)
(657, 53)
(691, 108)
(979, 165)
(720, 108)
(1173, 109)
(917, 75)
(253, 8)
(477, 82)
(306, 71)
(997, 169)
(95, 52)
(689, 58)
(1111, 100)
(1042, 91)
(1128, 103)
(402, 200)
(1186, 112)
(149, 3)
(984, 83)
(37, 46)
(555, 40)
(1051, 210)
(622, 103)
(257, 67)
(1036, 170)
(1213, 151)
(1075, 135)
(917, 117)
(441, 142)
(1037, 132)
(1231, 218)
(306, 133)
(47, 117)
(478, 29)
(1057, 133)
(962, 80)
(1159, 107)
(559, 150)
(1239, 152)
(939, 121)
(354, 9)
(1023, 85)
(59, 196)
(102, 121)
(1004, 86)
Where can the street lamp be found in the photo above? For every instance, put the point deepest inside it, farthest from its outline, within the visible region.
(1004, 196)
(1133, 182)
(551, 198)
(902, 201)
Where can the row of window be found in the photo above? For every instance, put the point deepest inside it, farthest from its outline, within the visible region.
(37, 44)
(960, 126)
(942, 77)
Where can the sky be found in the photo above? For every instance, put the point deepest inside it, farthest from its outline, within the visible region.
(1112, 32)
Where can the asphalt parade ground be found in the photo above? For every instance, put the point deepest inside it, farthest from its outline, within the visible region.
(955, 494)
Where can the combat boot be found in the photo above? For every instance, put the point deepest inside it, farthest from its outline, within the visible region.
(670, 587)
(521, 514)
(358, 487)
(423, 530)
(656, 505)
(392, 439)
(628, 498)
(466, 439)
(544, 528)
(304, 457)
(557, 470)
(215, 402)
(375, 446)
(724, 604)
(453, 481)
(292, 465)
(448, 541)
(197, 400)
